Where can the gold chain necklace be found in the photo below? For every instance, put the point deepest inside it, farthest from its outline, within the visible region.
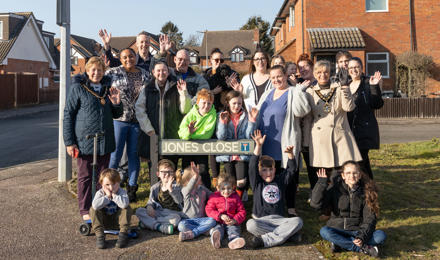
(101, 98)
(326, 98)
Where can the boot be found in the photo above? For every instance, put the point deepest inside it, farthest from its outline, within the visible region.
(131, 192)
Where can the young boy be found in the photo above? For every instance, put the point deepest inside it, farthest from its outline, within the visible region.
(164, 206)
(268, 225)
(110, 209)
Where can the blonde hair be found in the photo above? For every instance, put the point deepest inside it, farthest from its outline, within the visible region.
(321, 64)
(166, 163)
(183, 177)
(225, 178)
(205, 94)
(95, 60)
(111, 174)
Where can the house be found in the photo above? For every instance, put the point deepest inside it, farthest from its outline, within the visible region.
(376, 31)
(26, 47)
(237, 46)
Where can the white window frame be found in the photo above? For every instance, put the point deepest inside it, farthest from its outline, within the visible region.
(387, 61)
(193, 55)
(377, 11)
(1, 30)
(291, 17)
(237, 53)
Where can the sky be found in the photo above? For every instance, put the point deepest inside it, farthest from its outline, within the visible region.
(129, 17)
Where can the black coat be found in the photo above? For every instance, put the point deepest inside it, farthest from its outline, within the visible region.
(349, 210)
(85, 115)
(172, 117)
(362, 120)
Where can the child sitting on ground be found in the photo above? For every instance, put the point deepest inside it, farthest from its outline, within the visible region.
(195, 196)
(354, 207)
(199, 124)
(268, 224)
(236, 123)
(110, 209)
(226, 207)
(164, 206)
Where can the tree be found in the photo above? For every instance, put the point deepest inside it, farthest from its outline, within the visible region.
(256, 22)
(193, 40)
(173, 33)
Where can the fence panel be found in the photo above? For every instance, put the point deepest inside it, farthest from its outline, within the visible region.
(409, 108)
(27, 89)
(7, 82)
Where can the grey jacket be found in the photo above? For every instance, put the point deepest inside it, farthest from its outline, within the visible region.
(154, 193)
(194, 199)
(101, 200)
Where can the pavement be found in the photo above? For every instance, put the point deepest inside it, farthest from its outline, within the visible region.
(27, 110)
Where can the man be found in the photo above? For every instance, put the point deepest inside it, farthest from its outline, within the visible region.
(194, 81)
(143, 56)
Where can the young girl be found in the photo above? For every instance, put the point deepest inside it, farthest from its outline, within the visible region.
(195, 196)
(199, 124)
(354, 205)
(235, 123)
(226, 208)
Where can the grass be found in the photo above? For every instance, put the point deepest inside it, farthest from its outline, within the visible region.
(408, 177)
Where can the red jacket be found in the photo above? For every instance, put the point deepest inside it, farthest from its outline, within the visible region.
(231, 206)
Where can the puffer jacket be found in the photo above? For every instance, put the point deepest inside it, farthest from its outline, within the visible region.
(228, 132)
(85, 115)
(349, 210)
(232, 206)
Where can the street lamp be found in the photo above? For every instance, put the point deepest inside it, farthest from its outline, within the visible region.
(206, 44)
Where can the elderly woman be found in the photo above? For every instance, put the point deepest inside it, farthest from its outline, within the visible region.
(254, 84)
(280, 109)
(90, 109)
(332, 143)
(129, 79)
(367, 97)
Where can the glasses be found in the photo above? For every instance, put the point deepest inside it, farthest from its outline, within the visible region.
(218, 60)
(260, 59)
(354, 68)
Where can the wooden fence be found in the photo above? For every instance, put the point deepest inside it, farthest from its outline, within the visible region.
(409, 108)
(7, 89)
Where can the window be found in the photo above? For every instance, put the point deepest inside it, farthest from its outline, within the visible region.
(1, 30)
(193, 58)
(237, 55)
(74, 60)
(376, 5)
(378, 61)
(292, 17)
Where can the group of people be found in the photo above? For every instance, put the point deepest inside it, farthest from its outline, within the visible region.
(289, 109)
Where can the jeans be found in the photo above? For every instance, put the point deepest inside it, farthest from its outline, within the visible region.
(197, 225)
(232, 231)
(126, 132)
(344, 238)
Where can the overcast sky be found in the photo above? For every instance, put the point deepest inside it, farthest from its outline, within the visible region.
(128, 17)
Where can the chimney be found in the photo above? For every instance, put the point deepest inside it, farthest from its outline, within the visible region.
(256, 35)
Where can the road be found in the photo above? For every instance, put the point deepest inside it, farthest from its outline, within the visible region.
(35, 137)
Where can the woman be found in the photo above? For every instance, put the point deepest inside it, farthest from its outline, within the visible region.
(129, 79)
(278, 120)
(90, 109)
(367, 97)
(332, 142)
(291, 70)
(254, 84)
(354, 208)
(278, 60)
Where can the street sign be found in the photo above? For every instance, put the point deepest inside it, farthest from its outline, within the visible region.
(206, 147)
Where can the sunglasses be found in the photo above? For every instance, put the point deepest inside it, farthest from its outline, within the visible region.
(218, 60)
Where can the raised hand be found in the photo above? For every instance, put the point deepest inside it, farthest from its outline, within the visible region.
(224, 117)
(164, 43)
(289, 151)
(233, 83)
(114, 96)
(375, 79)
(105, 37)
(258, 138)
(216, 90)
(344, 77)
(181, 85)
(253, 114)
(195, 169)
(321, 173)
(192, 127)
(292, 79)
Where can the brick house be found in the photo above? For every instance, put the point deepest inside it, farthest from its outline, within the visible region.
(25, 47)
(376, 31)
(237, 47)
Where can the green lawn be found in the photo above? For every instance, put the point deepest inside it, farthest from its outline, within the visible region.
(408, 177)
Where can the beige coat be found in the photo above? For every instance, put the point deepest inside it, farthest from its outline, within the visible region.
(332, 143)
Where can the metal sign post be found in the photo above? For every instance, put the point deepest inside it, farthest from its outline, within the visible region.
(63, 20)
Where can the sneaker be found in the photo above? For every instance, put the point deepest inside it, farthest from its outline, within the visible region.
(256, 242)
(335, 248)
(370, 250)
(291, 213)
(166, 229)
(296, 238)
(187, 235)
(122, 240)
(236, 243)
(215, 238)
(100, 241)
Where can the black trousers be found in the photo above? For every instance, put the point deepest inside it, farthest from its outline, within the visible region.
(365, 164)
(311, 171)
(238, 169)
